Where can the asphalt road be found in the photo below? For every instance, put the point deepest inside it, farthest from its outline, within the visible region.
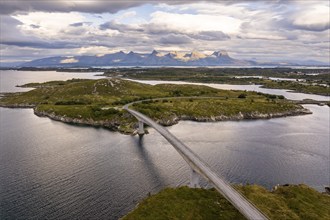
(198, 165)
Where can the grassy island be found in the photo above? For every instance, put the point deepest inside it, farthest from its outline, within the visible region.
(99, 103)
(286, 202)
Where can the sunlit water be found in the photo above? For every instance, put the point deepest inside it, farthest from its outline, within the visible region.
(53, 170)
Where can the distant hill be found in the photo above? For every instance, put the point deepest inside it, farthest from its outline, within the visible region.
(195, 58)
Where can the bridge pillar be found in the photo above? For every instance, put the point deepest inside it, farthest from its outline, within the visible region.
(194, 181)
(141, 128)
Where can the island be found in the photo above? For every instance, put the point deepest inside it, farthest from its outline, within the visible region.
(99, 103)
(282, 202)
(310, 81)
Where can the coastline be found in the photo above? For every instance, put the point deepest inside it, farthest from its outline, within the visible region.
(114, 125)
(238, 117)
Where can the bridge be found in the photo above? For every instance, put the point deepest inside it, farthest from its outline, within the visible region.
(200, 168)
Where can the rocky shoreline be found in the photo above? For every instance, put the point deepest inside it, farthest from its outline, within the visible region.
(111, 125)
(24, 105)
(238, 117)
(114, 125)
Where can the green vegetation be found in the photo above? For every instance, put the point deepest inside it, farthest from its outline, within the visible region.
(286, 202)
(297, 87)
(99, 103)
(52, 83)
(214, 109)
(314, 81)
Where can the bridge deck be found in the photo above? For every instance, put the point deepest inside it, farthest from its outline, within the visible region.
(197, 164)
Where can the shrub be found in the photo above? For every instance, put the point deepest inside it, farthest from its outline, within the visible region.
(176, 93)
(272, 96)
(146, 102)
(110, 111)
(242, 96)
(95, 108)
(72, 102)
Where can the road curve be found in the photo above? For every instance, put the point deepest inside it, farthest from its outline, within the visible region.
(199, 166)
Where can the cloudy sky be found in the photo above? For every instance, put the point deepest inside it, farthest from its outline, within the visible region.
(260, 30)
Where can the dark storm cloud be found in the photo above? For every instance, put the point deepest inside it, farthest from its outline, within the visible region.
(175, 39)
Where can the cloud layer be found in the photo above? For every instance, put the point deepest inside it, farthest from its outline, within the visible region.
(265, 30)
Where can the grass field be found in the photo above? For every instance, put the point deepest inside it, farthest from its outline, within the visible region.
(286, 202)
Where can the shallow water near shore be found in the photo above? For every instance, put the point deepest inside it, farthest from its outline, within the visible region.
(61, 171)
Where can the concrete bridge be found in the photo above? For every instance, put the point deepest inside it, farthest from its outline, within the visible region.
(200, 168)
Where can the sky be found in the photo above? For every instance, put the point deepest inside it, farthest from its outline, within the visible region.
(271, 30)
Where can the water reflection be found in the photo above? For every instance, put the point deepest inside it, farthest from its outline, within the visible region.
(153, 174)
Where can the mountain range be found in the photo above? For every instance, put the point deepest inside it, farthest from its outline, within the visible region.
(155, 58)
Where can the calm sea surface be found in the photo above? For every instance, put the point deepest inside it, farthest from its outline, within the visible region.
(9, 79)
(53, 170)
